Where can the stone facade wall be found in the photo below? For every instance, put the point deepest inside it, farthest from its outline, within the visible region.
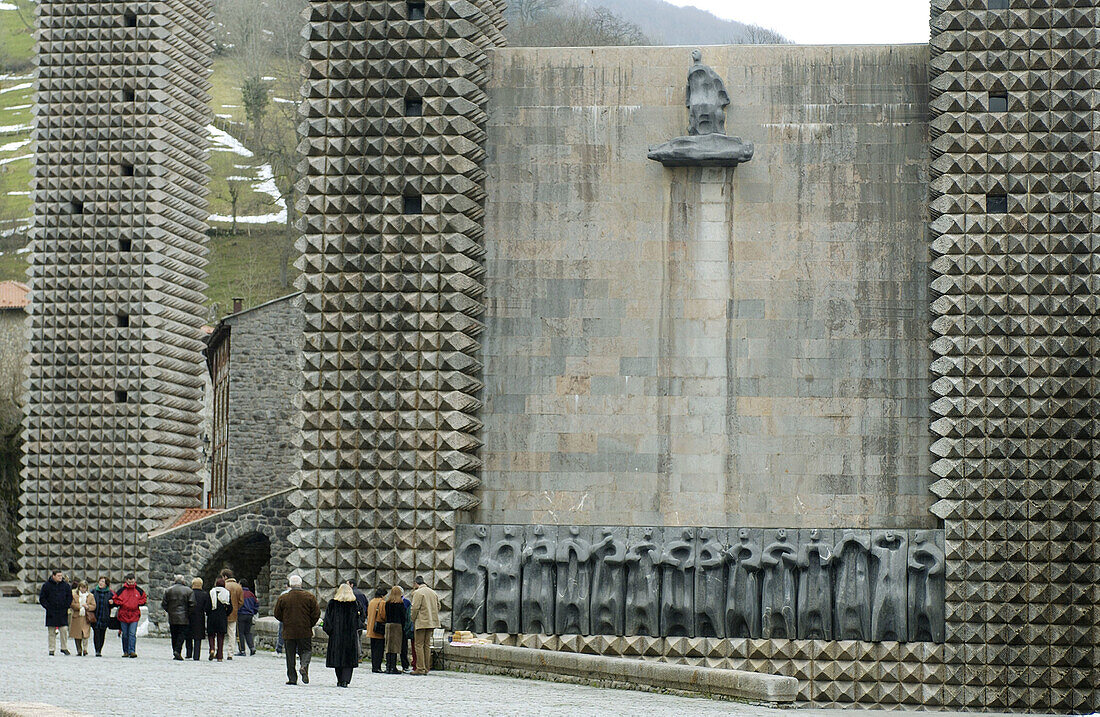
(264, 377)
(12, 353)
(707, 346)
(191, 549)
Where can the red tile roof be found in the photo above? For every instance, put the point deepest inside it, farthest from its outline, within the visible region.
(13, 295)
(192, 514)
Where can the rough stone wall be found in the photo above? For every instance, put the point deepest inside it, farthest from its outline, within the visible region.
(1015, 325)
(193, 549)
(12, 355)
(707, 346)
(264, 380)
(114, 383)
(392, 118)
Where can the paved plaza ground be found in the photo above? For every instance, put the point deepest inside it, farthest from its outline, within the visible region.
(154, 684)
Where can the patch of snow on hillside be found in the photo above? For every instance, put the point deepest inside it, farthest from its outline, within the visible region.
(12, 146)
(265, 184)
(225, 142)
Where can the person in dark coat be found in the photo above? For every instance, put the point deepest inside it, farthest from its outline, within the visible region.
(395, 628)
(102, 595)
(342, 627)
(217, 617)
(297, 611)
(56, 595)
(361, 600)
(199, 608)
(178, 602)
(247, 612)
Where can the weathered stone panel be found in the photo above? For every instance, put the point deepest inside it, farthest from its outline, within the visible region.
(707, 346)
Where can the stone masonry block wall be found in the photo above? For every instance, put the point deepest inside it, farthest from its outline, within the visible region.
(117, 274)
(707, 346)
(12, 355)
(189, 549)
(264, 378)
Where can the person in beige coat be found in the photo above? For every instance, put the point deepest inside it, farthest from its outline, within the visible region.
(236, 599)
(81, 616)
(425, 617)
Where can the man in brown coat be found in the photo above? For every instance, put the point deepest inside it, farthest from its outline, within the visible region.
(236, 599)
(298, 611)
(425, 617)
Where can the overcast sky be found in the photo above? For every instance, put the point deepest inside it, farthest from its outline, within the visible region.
(829, 21)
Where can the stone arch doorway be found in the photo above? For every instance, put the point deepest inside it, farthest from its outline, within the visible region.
(249, 557)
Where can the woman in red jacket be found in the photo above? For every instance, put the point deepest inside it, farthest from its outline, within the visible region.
(129, 599)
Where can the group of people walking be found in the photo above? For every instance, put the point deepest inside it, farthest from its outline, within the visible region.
(72, 610)
(224, 613)
(193, 615)
(390, 619)
(219, 615)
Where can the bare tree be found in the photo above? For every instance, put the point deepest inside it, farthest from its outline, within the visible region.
(234, 188)
(577, 26)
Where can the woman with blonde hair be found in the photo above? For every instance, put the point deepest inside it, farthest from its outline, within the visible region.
(341, 624)
(217, 617)
(81, 616)
(395, 628)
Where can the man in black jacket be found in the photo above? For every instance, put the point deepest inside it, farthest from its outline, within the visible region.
(56, 595)
(178, 602)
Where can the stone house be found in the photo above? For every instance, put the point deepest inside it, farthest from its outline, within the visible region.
(253, 372)
(13, 308)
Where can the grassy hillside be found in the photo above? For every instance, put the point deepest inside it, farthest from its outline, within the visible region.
(247, 264)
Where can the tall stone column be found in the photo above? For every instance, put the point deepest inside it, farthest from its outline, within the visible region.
(393, 130)
(1015, 292)
(114, 381)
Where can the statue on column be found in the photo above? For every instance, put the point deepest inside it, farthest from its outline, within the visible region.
(852, 577)
(888, 588)
(710, 585)
(537, 586)
(743, 587)
(503, 566)
(643, 584)
(469, 577)
(608, 584)
(815, 589)
(926, 588)
(677, 586)
(777, 616)
(706, 143)
(574, 583)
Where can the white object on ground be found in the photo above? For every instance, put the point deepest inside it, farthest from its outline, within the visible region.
(225, 142)
(12, 146)
(16, 159)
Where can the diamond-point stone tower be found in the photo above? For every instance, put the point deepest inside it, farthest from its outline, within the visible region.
(114, 385)
(392, 126)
